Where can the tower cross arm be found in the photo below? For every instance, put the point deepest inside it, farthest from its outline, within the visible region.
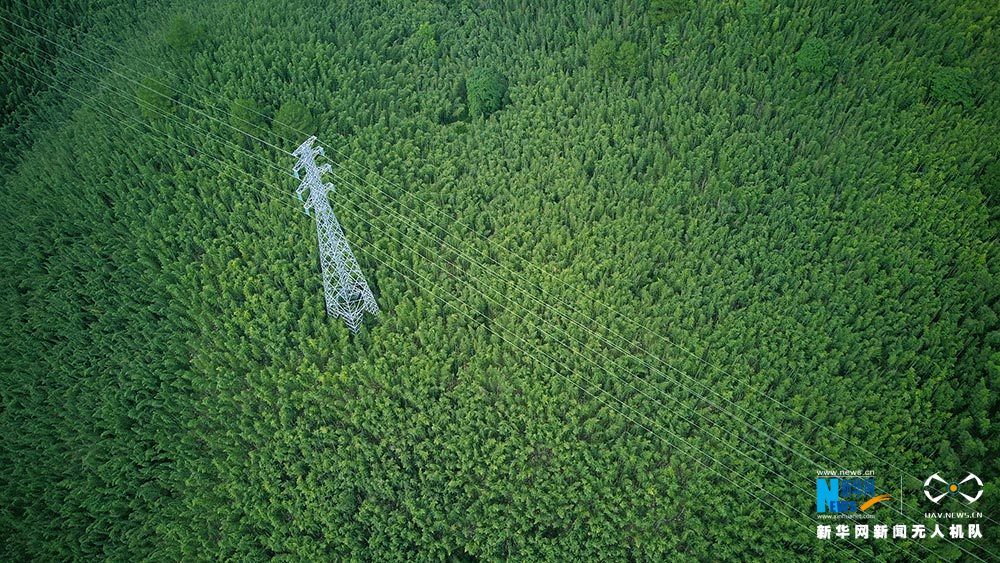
(306, 154)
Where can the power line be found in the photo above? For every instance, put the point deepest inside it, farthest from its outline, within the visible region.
(455, 220)
(115, 72)
(174, 117)
(614, 333)
(417, 226)
(589, 393)
(634, 388)
(530, 296)
(620, 401)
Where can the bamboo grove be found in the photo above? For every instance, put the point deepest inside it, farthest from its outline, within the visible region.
(643, 269)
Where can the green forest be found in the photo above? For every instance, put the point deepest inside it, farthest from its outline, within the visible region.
(644, 268)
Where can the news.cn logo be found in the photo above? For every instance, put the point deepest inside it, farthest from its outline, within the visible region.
(932, 486)
(847, 495)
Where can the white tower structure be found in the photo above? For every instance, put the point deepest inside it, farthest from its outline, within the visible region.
(344, 286)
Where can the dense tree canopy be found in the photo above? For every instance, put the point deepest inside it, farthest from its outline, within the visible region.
(291, 118)
(486, 89)
(814, 57)
(696, 252)
(247, 121)
(952, 85)
(183, 35)
(155, 97)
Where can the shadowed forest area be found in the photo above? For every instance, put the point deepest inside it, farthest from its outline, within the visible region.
(643, 268)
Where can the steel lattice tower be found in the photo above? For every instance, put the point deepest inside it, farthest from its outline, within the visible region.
(344, 286)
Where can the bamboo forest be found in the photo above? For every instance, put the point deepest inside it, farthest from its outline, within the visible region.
(632, 280)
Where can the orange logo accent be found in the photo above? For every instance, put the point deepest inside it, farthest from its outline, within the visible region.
(873, 501)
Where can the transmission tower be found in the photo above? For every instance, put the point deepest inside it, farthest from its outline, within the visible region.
(344, 286)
